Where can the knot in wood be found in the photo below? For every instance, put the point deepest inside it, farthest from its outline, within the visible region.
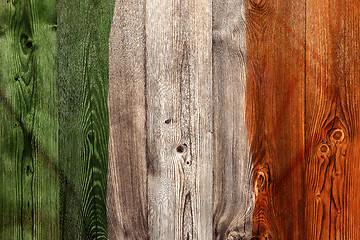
(337, 135)
(262, 180)
(26, 43)
(260, 237)
(235, 235)
(181, 148)
(324, 150)
(258, 5)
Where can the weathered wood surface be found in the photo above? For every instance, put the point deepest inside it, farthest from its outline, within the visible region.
(167, 173)
(233, 196)
(127, 177)
(210, 129)
(296, 153)
(29, 183)
(83, 33)
(178, 88)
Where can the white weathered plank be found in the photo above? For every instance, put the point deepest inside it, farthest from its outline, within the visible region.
(179, 90)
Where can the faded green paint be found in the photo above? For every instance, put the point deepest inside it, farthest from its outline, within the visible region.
(83, 35)
(29, 184)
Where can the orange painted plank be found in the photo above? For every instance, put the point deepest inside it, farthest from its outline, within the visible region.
(332, 119)
(275, 115)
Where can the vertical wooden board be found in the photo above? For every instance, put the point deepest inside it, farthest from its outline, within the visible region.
(179, 118)
(320, 116)
(83, 34)
(275, 115)
(233, 182)
(346, 192)
(29, 182)
(332, 119)
(127, 178)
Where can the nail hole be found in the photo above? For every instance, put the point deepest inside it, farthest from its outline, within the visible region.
(188, 162)
(180, 149)
(16, 78)
(168, 121)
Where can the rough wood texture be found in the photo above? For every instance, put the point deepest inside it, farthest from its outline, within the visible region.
(127, 189)
(332, 119)
(233, 188)
(83, 34)
(29, 184)
(275, 115)
(198, 148)
(160, 101)
(179, 118)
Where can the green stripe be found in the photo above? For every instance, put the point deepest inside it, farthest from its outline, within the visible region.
(29, 183)
(53, 118)
(83, 34)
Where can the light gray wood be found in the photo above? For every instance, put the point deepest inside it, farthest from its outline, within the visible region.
(127, 188)
(179, 91)
(233, 181)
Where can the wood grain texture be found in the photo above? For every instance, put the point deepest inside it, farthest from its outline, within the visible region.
(275, 98)
(127, 178)
(233, 193)
(179, 126)
(29, 186)
(160, 88)
(214, 130)
(83, 34)
(332, 120)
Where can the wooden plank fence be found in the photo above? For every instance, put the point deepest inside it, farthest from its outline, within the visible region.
(179, 119)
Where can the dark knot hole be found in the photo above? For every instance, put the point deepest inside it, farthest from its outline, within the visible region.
(180, 149)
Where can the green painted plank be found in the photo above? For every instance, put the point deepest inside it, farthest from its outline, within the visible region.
(83, 35)
(29, 181)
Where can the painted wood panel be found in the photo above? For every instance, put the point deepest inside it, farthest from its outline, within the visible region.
(275, 110)
(29, 183)
(83, 74)
(169, 119)
(332, 120)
